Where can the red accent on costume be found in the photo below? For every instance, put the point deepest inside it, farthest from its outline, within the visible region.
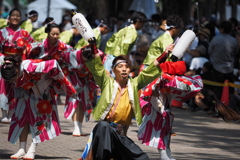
(174, 68)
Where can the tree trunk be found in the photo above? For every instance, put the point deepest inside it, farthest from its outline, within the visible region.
(222, 10)
(234, 8)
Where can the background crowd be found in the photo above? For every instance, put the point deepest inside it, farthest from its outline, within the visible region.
(214, 53)
(206, 56)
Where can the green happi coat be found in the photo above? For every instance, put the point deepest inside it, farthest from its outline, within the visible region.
(39, 34)
(122, 42)
(3, 22)
(109, 88)
(158, 47)
(66, 36)
(27, 25)
(82, 42)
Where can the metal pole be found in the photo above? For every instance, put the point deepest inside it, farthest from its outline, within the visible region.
(199, 21)
(48, 8)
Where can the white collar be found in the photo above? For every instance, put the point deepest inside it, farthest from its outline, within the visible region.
(132, 25)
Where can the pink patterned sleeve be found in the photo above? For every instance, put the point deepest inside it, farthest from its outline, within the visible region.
(74, 58)
(30, 39)
(34, 50)
(182, 87)
(24, 34)
(53, 70)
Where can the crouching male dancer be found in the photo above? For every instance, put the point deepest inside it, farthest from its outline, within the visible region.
(118, 104)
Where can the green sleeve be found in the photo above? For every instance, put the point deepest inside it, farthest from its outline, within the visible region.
(157, 48)
(27, 25)
(97, 36)
(99, 73)
(82, 42)
(39, 34)
(66, 36)
(3, 22)
(128, 40)
(147, 75)
(121, 42)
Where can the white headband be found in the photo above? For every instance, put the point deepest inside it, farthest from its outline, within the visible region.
(122, 61)
(168, 27)
(49, 23)
(31, 15)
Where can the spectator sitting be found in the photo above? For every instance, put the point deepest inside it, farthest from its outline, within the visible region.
(212, 28)
(201, 39)
(198, 60)
(196, 67)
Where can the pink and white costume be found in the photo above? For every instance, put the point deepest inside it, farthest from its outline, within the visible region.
(73, 67)
(157, 117)
(34, 92)
(12, 42)
(85, 84)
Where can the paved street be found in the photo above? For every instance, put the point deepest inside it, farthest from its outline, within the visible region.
(199, 137)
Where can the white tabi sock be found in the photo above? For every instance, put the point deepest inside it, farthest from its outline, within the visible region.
(31, 151)
(21, 152)
(163, 154)
(76, 131)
